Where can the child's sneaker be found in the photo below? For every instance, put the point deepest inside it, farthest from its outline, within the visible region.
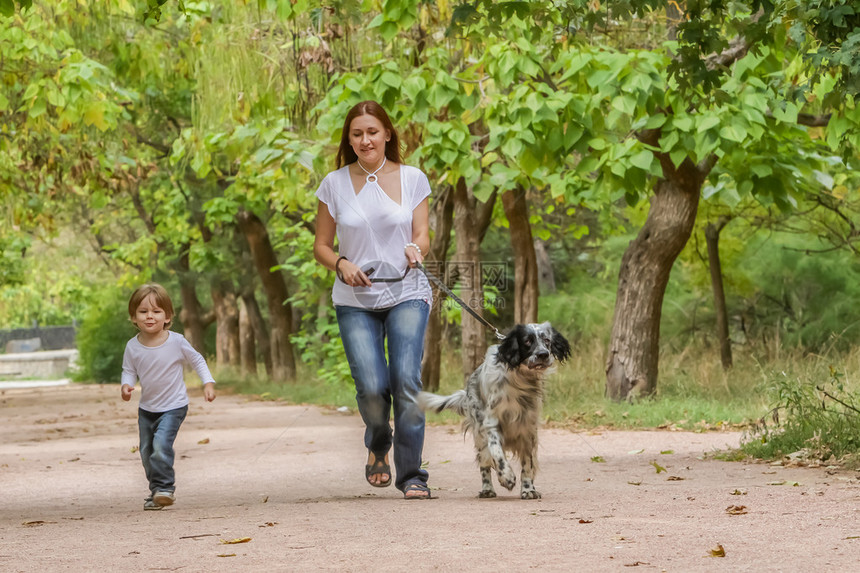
(150, 505)
(163, 498)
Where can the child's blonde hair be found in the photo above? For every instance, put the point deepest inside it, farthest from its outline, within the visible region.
(162, 299)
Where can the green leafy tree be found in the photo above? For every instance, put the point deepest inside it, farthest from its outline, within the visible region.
(226, 118)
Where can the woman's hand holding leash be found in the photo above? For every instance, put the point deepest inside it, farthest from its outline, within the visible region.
(350, 274)
(413, 253)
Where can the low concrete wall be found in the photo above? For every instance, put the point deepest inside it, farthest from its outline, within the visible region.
(50, 337)
(44, 364)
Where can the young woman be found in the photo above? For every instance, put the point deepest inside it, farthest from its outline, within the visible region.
(378, 210)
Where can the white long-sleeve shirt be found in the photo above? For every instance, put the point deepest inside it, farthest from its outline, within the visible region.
(160, 371)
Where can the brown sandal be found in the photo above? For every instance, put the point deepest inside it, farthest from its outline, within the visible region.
(419, 488)
(378, 467)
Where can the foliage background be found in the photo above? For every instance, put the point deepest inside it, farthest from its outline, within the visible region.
(130, 142)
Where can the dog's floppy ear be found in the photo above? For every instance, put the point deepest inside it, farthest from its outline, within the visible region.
(510, 351)
(559, 346)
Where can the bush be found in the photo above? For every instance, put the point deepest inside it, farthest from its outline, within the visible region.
(777, 293)
(101, 338)
(814, 420)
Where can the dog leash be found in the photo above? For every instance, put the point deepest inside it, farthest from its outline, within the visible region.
(287, 427)
(444, 288)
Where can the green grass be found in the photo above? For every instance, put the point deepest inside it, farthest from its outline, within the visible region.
(815, 413)
(694, 393)
(699, 399)
(308, 389)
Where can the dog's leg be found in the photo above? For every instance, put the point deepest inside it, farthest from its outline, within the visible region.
(485, 462)
(527, 487)
(504, 471)
(487, 489)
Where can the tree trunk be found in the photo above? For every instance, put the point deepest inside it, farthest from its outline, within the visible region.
(631, 366)
(193, 317)
(441, 221)
(247, 292)
(525, 258)
(227, 323)
(261, 333)
(467, 268)
(247, 346)
(275, 287)
(471, 221)
(712, 238)
(546, 275)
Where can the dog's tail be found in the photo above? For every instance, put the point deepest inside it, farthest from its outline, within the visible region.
(435, 403)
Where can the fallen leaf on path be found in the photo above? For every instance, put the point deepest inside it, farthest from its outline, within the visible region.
(667, 452)
(226, 555)
(586, 521)
(237, 540)
(598, 459)
(657, 467)
(718, 551)
(636, 564)
(204, 441)
(134, 449)
(635, 482)
(269, 524)
(780, 482)
(736, 509)
(633, 452)
(674, 478)
(36, 523)
(739, 492)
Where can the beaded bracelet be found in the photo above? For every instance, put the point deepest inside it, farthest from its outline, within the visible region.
(417, 248)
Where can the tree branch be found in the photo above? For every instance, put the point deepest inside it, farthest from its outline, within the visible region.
(737, 49)
(810, 120)
(160, 147)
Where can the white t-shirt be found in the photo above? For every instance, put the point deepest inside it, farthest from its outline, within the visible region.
(160, 371)
(372, 231)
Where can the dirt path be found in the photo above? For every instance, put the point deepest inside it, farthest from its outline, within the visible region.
(291, 479)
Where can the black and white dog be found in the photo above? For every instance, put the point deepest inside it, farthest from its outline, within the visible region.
(502, 401)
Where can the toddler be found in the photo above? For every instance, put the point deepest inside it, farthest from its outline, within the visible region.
(156, 357)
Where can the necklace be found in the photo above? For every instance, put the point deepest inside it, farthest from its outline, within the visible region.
(371, 177)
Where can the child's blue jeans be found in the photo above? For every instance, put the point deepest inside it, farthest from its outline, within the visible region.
(378, 382)
(157, 433)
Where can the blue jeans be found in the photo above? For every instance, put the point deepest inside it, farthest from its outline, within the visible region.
(157, 433)
(379, 383)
